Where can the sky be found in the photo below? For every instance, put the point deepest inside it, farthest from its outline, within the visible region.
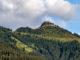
(32, 13)
(74, 24)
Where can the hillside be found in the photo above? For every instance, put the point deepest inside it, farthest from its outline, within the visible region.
(49, 31)
(9, 49)
(47, 42)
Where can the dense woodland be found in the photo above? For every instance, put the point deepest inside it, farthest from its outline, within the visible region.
(48, 42)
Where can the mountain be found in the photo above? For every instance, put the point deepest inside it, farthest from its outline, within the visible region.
(47, 42)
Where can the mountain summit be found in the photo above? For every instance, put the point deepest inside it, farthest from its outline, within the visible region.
(46, 24)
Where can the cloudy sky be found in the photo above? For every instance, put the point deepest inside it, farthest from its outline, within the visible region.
(22, 13)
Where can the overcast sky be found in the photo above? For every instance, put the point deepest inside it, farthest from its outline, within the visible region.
(22, 13)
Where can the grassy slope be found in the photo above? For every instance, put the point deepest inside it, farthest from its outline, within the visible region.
(21, 45)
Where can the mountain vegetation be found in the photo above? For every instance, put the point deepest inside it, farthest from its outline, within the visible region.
(47, 42)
